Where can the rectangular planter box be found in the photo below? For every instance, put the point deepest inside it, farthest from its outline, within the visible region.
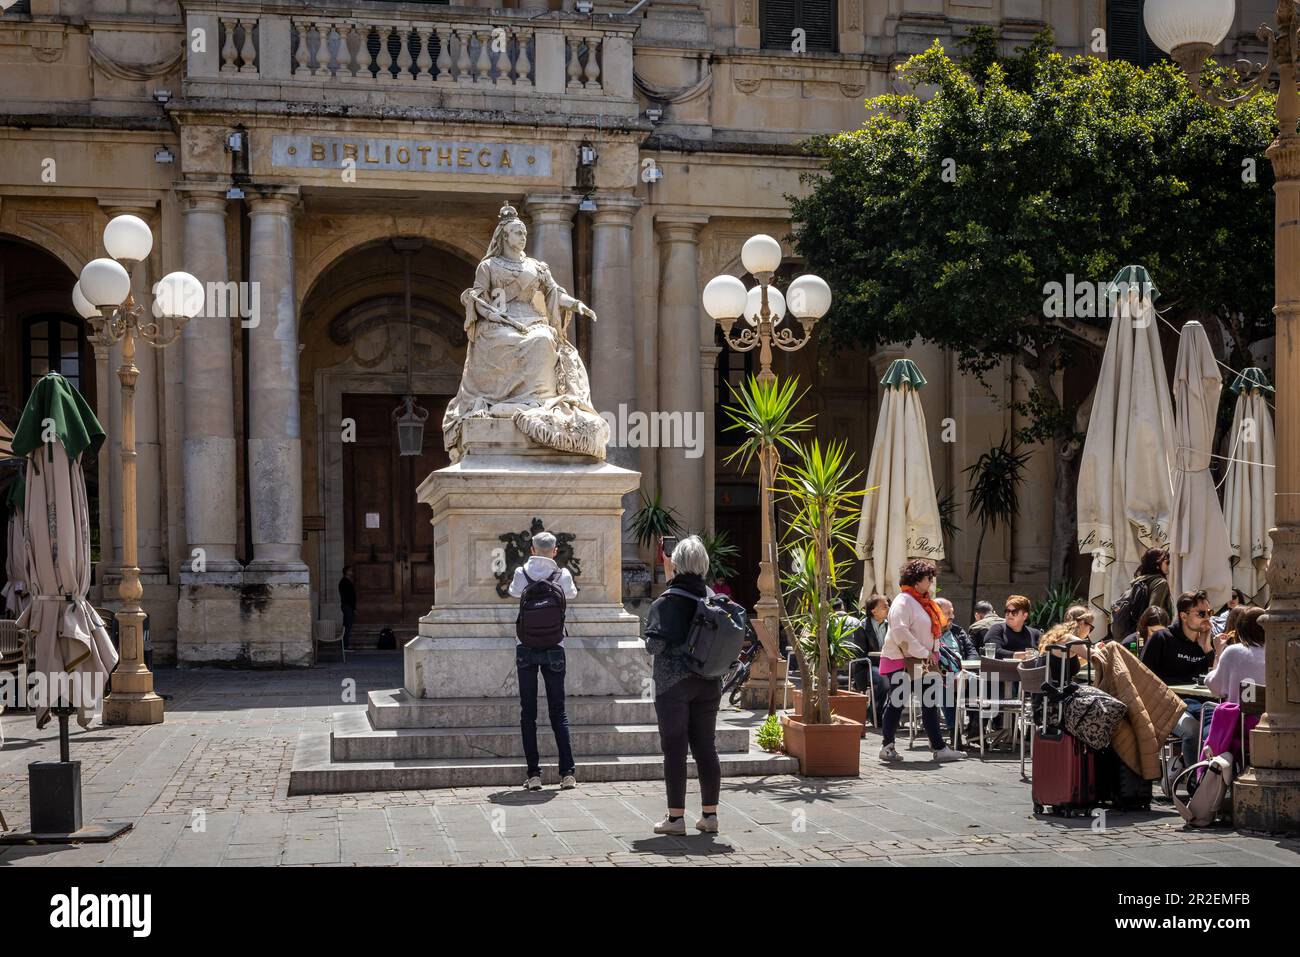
(823, 750)
(847, 704)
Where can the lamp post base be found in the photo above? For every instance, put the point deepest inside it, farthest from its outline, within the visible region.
(1267, 800)
(133, 707)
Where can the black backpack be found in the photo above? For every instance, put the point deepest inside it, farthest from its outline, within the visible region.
(1124, 613)
(716, 634)
(540, 623)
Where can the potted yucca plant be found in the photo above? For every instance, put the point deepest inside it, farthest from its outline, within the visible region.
(822, 505)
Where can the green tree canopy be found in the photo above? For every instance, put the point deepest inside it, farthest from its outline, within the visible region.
(949, 212)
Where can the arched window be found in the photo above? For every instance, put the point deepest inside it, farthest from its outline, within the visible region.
(52, 343)
(1126, 33)
(780, 18)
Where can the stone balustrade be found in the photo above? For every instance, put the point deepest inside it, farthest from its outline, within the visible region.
(266, 50)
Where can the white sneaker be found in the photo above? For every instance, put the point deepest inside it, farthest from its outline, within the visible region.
(707, 825)
(888, 755)
(534, 783)
(676, 828)
(948, 754)
(568, 782)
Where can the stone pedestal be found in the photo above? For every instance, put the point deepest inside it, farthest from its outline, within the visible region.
(255, 618)
(466, 645)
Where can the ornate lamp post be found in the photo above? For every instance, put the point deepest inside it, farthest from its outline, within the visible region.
(764, 309)
(103, 297)
(1267, 796)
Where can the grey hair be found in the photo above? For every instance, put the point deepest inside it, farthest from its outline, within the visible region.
(691, 557)
(945, 604)
(544, 542)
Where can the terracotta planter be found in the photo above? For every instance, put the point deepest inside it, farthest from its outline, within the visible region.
(823, 750)
(847, 704)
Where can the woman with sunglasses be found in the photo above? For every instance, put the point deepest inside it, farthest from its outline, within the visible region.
(1180, 655)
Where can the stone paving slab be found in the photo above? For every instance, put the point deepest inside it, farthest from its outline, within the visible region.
(209, 787)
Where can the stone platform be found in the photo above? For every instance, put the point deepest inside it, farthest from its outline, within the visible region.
(402, 742)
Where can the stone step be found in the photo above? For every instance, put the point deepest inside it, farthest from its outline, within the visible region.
(366, 637)
(353, 739)
(314, 773)
(390, 710)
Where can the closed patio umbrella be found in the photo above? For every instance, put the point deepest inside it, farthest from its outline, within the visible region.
(6, 442)
(900, 513)
(1198, 535)
(69, 635)
(14, 593)
(1249, 485)
(1125, 492)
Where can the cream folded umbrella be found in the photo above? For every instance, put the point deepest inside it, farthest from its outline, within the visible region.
(1249, 485)
(14, 593)
(74, 656)
(1125, 492)
(1198, 536)
(900, 513)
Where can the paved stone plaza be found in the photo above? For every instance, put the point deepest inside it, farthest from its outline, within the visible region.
(210, 787)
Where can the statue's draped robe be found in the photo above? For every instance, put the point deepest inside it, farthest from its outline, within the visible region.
(534, 376)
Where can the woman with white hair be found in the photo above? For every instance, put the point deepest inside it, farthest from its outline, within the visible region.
(686, 704)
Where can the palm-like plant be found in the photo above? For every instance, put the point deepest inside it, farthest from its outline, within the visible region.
(721, 555)
(993, 496)
(823, 508)
(764, 414)
(653, 520)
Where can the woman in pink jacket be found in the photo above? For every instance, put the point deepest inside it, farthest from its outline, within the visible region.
(915, 624)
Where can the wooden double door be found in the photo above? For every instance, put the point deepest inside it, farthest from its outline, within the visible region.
(388, 538)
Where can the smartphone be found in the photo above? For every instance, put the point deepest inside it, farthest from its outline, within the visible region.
(669, 543)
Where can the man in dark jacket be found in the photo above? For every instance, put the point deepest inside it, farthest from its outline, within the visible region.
(1180, 655)
(348, 602)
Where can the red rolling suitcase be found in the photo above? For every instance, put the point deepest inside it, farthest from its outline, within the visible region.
(1064, 768)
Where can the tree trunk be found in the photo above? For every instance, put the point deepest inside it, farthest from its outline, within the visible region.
(975, 575)
(1065, 502)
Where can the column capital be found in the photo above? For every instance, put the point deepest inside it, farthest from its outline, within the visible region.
(680, 227)
(272, 199)
(615, 208)
(134, 204)
(551, 206)
(209, 197)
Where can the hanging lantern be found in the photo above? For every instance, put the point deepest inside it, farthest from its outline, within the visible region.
(410, 426)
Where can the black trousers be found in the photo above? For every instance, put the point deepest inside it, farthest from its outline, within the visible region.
(551, 663)
(688, 717)
(900, 687)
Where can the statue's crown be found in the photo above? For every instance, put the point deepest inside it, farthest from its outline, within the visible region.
(508, 212)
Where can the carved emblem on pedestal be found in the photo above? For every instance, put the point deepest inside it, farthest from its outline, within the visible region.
(518, 546)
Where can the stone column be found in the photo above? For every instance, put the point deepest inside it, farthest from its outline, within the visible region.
(210, 454)
(275, 429)
(613, 372)
(681, 468)
(551, 234)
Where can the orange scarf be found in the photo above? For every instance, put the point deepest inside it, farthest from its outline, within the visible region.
(937, 622)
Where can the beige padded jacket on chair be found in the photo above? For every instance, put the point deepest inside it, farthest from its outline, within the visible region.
(1153, 709)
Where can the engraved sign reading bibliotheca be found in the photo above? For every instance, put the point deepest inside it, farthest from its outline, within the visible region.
(412, 156)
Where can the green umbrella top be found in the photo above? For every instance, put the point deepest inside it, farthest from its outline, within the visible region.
(903, 372)
(56, 399)
(1252, 378)
(1138, 276)
(17, 496)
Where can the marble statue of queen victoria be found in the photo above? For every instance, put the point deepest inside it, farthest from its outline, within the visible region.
(520, 363)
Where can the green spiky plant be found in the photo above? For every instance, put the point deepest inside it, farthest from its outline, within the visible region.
(1054, 604)
(653, 520)
(770, 735)
(822, 507)
(722, 555)
(993, 496)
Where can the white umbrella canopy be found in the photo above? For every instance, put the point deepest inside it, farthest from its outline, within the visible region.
(1125, 493)
(14, 593)
(1249, 485)
(900, 513)
(1198, 536)
(73, 651)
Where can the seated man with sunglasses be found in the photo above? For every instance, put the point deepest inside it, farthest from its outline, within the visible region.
(1180, 655)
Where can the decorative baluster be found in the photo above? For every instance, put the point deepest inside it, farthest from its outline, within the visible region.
(322, 49)
(302, 55)
(593, 63)
(228, 53)
(345, 31)
(405, 37)
(483, 64)
(248, 52)
(462, 58)
(425, 62)
(385, 60)
(574, 69)
(523, 65)
(444, 56)
(363, 53)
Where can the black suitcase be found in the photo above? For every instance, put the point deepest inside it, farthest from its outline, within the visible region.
(1120, 787)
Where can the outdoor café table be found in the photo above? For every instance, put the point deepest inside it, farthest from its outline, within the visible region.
(1194, 691)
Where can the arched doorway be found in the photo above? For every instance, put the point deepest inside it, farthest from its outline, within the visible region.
(39, 333)
(360, 503)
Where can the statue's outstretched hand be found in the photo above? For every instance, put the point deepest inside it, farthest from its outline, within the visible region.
(586, 310)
